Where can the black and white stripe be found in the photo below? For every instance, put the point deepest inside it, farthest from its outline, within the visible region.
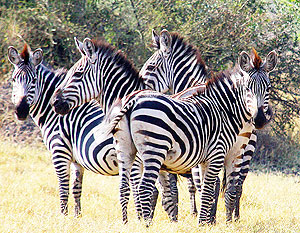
(106, 75)
(172, 64)
(176, 135)
(70, 138)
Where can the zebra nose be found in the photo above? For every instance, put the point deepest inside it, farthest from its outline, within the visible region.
(60, 105)
(260, 120)
(22, 109)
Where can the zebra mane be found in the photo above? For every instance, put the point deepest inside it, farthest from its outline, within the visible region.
(60, 72)
(118, 56)
(256, 59)
(190, 49)
(219, 77)
(25, 54)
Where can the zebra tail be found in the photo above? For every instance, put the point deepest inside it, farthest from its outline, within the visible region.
(112, 118)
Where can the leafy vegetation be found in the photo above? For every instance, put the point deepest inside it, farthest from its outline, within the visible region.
(220, 29)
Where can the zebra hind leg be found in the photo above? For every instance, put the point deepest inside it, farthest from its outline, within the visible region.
(135, 179)
(77, 188)
(125, 164)
(169, 194)
(154, 201)
(209, 174)
(151, 172)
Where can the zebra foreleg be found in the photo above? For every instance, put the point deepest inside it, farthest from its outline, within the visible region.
(77, 188)
(247, 156)
(62, 169)
(169, 200)
(213, 211)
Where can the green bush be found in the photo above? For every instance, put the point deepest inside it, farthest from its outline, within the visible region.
(220, 29)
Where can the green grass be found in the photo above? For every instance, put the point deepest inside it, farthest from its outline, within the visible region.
(29, 201)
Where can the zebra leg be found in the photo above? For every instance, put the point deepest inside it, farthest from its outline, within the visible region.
(192, 192)
(247, 156)
(125, 164)
(169, 201)
(213, 211)
(77, 187)
(154, 201)
(209, 173)
(197, 179)
(135, 178)
(232, 176)
(152, 165)
(62, 169)
(174, 195)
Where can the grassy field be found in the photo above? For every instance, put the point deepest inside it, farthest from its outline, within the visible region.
(29, 201)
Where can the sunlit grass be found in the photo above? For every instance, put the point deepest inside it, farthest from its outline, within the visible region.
(29, 201)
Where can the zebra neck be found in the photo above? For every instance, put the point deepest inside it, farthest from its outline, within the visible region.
(188, 72)
(117, 85)
(232, 103)
(41, 111)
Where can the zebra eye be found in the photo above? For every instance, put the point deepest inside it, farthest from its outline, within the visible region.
(151, 67)
(77, 74)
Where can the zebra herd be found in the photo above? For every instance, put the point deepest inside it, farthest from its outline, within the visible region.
(105, 116)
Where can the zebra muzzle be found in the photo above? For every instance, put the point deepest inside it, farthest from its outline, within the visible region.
(60, 105)
(262, 118)
(22, 109)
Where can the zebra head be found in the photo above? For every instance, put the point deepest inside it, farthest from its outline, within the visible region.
(175, 65)
(24, 78)
(72, 92)
(259, 82)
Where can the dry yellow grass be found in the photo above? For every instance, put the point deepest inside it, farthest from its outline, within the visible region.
(29, 201)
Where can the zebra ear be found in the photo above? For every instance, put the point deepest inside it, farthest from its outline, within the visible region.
(155, 39)
(165, 41)
(271, 61)
(89, 49)
(79, 46)
(37, 57)
(245, 62)
(13, 55)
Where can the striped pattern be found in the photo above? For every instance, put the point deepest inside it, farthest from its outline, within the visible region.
(71, 138)
(176, 135)
(106, 75)
(170, 64)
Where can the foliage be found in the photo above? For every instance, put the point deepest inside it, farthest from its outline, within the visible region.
(220, 29)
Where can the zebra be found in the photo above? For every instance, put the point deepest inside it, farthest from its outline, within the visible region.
(69, 138)
(176, 135)
(105, 75)
(171, 62)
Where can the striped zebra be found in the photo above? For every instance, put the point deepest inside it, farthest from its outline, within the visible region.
(177, 135)
(171, 62)
(69, 138)
(106, 75)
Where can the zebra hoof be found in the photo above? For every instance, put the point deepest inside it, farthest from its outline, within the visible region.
(194, 214)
